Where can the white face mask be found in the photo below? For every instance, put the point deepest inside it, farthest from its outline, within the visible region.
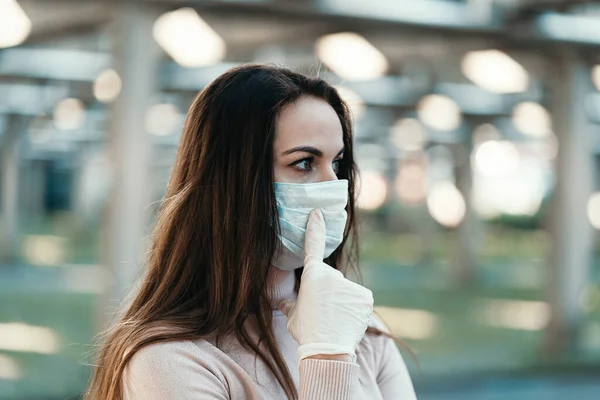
(295, 201)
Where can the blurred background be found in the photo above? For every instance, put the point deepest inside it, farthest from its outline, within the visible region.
(478, 134)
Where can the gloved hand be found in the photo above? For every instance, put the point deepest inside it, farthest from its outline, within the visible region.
(331, 313)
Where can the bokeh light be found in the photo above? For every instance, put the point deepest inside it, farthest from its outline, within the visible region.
(520, 193)
(439, 112)
(107, 86)
(409, 323)
(19, 337)
(495, 71)
(593, 210)
(411, 183)
(373, 190)
(408, 134)
(446, 204)
(351, 56)
(15, 25)
(485, 132)
(596, 76)
(69, 114)
(188, 39)
(496, 158)
(44, 250)
(532, 119)
(514, 314)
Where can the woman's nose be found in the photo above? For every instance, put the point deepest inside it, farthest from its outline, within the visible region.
(328, 175)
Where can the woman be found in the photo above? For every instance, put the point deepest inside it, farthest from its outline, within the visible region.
(237, 302)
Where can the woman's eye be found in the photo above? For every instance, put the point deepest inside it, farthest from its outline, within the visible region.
(304, 165)
(336, 165)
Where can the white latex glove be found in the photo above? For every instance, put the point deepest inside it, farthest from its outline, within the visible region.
(331, 313)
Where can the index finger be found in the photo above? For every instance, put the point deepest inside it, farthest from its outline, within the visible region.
(314, 240)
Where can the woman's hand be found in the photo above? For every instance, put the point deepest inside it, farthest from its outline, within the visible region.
(331, 314)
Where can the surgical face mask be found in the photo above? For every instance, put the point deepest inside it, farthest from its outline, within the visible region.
(295, 201)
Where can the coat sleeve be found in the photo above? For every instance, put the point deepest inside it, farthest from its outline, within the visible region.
(327, 380)
(170, 371)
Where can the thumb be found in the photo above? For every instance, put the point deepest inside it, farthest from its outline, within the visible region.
(314, 240)
(286, 306)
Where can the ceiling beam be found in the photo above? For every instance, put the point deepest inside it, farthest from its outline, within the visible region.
(398, 17)
(52, 19)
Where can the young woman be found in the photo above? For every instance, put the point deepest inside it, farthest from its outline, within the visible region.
(237, 302)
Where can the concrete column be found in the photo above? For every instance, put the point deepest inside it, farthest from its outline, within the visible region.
(570, 230)
(468, 238)
(9, 214)
(136, 59)
(33, 204)
(10, 210)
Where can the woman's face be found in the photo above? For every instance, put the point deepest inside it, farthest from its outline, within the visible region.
(308, 145)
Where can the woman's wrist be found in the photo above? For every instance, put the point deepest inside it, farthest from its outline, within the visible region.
(332, 357)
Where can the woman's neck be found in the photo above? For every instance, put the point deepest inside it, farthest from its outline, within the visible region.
(281, 285)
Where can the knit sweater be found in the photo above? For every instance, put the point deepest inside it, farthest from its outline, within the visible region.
(198, 369)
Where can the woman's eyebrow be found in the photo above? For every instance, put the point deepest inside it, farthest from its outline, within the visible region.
(309, 149)
(306, 149)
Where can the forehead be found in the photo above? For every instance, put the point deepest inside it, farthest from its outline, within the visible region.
(308, 121)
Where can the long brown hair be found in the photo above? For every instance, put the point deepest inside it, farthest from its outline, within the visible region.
(216, 232)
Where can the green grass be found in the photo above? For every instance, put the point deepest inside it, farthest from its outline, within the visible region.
(50, 375)
(459, 337)
(459, 344)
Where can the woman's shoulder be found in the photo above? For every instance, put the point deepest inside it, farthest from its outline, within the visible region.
(167, 348)
(174, 367)
(173, 353)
